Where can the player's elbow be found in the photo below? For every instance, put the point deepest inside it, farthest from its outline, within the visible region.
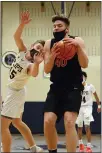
(15, 36)
(47, 71)
(34, 75)
(84, 65)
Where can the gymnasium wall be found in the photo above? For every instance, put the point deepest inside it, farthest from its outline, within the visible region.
(84, 24)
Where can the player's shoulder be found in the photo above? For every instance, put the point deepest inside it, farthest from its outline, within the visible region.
(48, 41)
(71, 36)
(87, 86)
(21, 54)
(21, 58)
(90, 85)
(75, 37)
(79, 39)
(47, 45)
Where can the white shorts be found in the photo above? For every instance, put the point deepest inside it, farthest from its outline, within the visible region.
(13, 105)
(85, 115)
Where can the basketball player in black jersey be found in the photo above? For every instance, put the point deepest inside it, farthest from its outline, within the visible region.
(64, 96)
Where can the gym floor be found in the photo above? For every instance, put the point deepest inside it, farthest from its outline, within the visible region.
(18, 143)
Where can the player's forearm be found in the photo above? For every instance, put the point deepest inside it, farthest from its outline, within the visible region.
(19, 31)
(48, 66)
(35, 69)
(82, 58)
(97, 100)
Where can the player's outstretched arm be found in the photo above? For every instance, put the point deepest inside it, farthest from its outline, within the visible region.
(25, 19)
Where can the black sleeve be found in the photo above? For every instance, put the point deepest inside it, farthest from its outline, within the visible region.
(72, 36)
(52, 43)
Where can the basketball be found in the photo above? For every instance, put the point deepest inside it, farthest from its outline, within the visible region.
(67, 51)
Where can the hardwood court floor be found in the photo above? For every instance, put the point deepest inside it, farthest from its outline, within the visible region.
(19, 144)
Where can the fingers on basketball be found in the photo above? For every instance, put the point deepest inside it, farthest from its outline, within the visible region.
(65, 50)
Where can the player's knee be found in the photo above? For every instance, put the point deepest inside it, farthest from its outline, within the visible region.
(69, 123)
(49, 122)
(87, 127)
(4, 125)
(70, 119)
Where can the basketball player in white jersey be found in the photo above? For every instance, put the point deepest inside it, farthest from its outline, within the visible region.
(85, 113)
(25, 65)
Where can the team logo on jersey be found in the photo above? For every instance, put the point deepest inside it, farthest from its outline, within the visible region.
(8, 58)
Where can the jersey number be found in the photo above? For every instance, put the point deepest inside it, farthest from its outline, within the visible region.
(84, 100)
(12, 74)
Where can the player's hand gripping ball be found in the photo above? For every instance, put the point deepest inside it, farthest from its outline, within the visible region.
(67, 51)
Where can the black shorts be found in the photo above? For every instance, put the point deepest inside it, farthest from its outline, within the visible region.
(59, 101)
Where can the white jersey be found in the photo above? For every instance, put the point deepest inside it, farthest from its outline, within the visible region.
(18, 76)
(88, 91)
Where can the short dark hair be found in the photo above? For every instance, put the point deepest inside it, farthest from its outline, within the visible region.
(42, 42)
(84, 74)
(61, 17)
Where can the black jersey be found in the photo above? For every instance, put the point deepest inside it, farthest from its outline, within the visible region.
(69, 73)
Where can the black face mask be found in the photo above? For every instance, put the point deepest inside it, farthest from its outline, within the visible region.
(32, 52)
(59, 35)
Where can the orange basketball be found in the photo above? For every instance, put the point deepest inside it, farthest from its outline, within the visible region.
(67, 52)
